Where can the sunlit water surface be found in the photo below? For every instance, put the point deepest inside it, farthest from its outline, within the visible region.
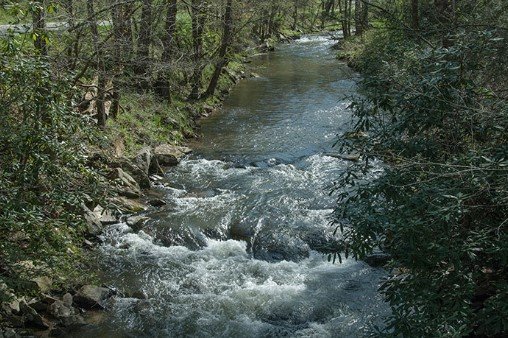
(237, 251)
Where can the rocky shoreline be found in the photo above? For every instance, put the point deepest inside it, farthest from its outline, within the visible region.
(131, 181)
(57, 312)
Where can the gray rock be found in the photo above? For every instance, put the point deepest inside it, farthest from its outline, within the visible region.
(93, 223)
(127, 205)
(139, 295)
(277, 247)
(136, 168)
(44, 283)
(157, 202)
(12, 306)
(67, 299)
(169, 155)
(136, 222)
(32, 317)
(38, 305)
(91, 297)
(155, 167)
(73, 321)
(127, 186)
(143, 159)
(105, 216)
(60, 310)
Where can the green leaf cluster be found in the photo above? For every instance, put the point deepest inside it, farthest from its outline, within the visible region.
(43, 176)
(437, 116)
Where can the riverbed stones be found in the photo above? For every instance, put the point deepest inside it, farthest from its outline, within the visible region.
(44, 283)
(31, 316)
(105, 216)
(127, 205)
(93, 223)
(60, 310)
(136, 222)
(377, 259)
(127, 185)
(278, 247)
(157, 202)
(91, 297)
(169, 155)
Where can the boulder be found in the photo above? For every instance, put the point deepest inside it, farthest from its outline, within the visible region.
(73, 321)
(136, 222)
(169, 155)
(38, 305)
(60, 310)
(273, 247)
(93, 223)
(126, 205)
(143, 159)
(67, 299)
(127, 186)
(136, 167)
(91, 297)
(44, 283)
(31, 316)
(157, 202)
(12, 306)
(105, 216)
(155, 168)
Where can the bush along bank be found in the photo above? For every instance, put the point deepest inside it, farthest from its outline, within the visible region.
(435, 111)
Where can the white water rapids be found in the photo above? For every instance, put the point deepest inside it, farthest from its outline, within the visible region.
(237, 251)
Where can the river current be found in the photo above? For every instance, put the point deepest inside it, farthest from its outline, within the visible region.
(238, 251)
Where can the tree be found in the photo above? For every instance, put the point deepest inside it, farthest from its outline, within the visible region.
(198, 26)
(434, 110)
(101, 71)
(223, 49)
(39, 27)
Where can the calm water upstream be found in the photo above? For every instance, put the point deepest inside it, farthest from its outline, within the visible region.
(236, 252)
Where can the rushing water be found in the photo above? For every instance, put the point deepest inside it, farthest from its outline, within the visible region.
(237, 251)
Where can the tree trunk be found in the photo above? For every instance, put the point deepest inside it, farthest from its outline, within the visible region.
(39, 27)
(170, 29)
(445, 14)
(225, 43)
(358, 17)
(365, 16)
(118, 16)
(162, 86)
(415, 16)
(349, 16)
(346, 25)
(198, 25)
(101, 82)
(145, 37)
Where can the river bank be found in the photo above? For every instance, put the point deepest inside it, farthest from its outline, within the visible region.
(131, 163)
(240, 246)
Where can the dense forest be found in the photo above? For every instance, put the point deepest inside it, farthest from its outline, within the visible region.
(435, 110)
(87, 86)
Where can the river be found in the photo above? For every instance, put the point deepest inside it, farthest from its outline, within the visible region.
(238, 249)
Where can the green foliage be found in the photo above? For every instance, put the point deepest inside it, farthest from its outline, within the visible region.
(438, 118)
(147, 120)
(43, 178)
